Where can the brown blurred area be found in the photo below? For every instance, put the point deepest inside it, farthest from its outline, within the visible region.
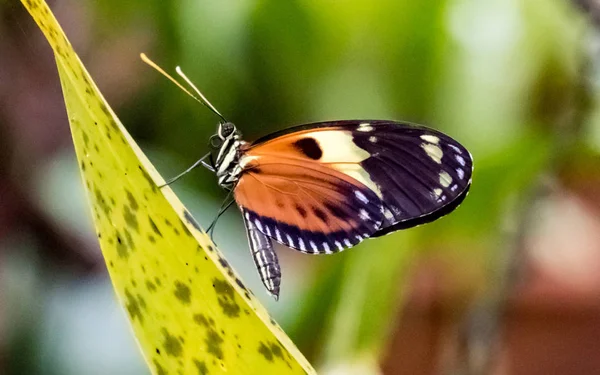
(549, 319)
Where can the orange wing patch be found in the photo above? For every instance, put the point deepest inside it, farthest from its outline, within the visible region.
(332, 147)
(304, 204)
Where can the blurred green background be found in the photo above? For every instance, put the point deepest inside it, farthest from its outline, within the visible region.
(507, 284)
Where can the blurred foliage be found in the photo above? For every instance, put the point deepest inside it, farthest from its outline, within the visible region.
(510, 79)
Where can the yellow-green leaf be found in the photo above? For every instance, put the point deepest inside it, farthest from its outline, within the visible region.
(189, 310)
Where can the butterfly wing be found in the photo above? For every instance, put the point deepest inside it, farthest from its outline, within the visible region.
(323, 187)
(422, 174)
(305, 205)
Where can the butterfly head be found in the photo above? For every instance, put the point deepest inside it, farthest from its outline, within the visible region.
(226, 144)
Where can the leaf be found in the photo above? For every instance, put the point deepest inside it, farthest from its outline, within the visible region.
(189, 310)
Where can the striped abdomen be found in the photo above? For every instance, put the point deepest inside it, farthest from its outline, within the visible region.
(265, 258)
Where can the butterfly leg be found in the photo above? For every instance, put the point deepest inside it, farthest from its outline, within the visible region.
(265, 259)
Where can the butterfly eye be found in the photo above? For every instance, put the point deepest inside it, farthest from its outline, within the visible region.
(215, 142)
(225, 129)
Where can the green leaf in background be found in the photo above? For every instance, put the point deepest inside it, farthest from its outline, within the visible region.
(190, 313)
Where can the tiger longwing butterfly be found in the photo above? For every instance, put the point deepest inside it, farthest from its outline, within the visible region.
(324, 187)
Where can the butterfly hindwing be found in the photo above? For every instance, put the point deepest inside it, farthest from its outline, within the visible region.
(306, 205)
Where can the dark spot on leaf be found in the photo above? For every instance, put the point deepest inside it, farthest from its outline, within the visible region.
(130, 219)
(122, 250)
(223, 262)
(183, 292)
(171, 344)
(159, 369)
(276, 350)
(151, 238)
(129, 239)
(203, 320)
(201, 366)
(158, 351)
(133, 306)
(185, 229)
(309, 147)
(240, 283)
(265, 351)
(102, 202)
(132, 201)
(148, 178)
(151, 286)
(213, 343)
(226, 298)
(188, 217)
(154, 227)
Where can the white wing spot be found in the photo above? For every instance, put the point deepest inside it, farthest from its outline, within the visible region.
(388, 214)
(373, 139)
(339, 245)
(437, 192)
(365, 127)
(445, 179)
(258, 225)
(327, 248)
(454, 187)
(313, 246)
(361, 197)
(301, 244)
(247, 215)
(347, 242)
(460, 172)
(290, 240)
(460, 160)
(456, 149)
(268, 231)
(278, 235)
(360, 238)
(430, 138)
(364, 214)
(433, 151)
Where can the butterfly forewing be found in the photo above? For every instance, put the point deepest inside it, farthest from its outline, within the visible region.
(323, 187)
(421, 174)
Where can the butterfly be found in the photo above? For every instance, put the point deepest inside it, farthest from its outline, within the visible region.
(324, 187)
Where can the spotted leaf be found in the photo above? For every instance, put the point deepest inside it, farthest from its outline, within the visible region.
(189, 310)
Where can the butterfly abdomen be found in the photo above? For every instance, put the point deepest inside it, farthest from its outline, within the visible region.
(265, 258)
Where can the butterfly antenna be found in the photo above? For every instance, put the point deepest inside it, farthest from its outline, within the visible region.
(202, 97)
(202, 100)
